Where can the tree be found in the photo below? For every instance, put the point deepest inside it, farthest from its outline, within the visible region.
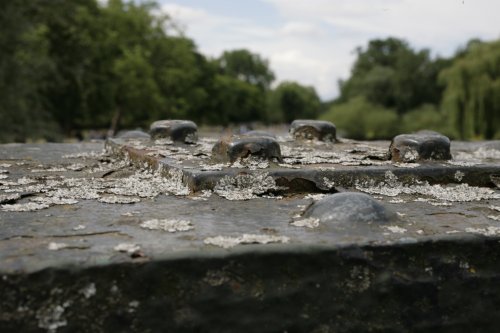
(290, 101)
(472, 95)
(360, 119)
(246, 66)
(24, 70)
(390, 73)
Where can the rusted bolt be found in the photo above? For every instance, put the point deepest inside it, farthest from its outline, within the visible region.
(184, 131)
(313, 130)
(424, 145)
(231, 149)
(349, 207)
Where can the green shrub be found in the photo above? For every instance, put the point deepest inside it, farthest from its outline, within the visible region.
(426, 117)
(361, 120)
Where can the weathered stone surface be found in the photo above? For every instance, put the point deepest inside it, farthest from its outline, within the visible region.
(420, 146)
(313, 130)
(234, 148)
(184, 131)
(78, 264)
(348, 208)
(133, 135)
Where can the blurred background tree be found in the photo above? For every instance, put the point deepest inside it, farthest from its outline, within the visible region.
(472, 96)
(67, 67)
(290, 101)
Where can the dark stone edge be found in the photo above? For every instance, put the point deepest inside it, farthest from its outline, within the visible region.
(447, 286)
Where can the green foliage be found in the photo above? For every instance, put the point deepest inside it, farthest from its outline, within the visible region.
(360, 119)
(472, 95)
(426, 117)
(236, 101)
(290, 101)
(25, 68)
(246, 66)
(68, 66)
(390, 73)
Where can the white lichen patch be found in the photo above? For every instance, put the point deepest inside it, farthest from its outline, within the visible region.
(163, 142)
(53, 246)
(170, 225)
(51, 317)
(459, 175)
(488, 231)
(229, 242)
(24, 207)
(289, 166)
(315, 197)
(329, 184)
(9, 197)
(129, 248)
(89, 291)
(406, 165)
(396, 201)
(54, 201)
(213, 167)
(87, 155)
(5, 165)
(495, 208)
(79, 227)
(4, 177)
(395, 229)
(245, 186)
(118, 199)
(310, 222)
(410, 155)
(50, 169)
(453, 193)
(76, 167)
(494, 217)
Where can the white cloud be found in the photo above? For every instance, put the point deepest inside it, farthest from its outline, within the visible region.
(312, 41)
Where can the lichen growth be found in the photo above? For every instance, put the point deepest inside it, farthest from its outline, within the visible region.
(170, 225)
(310, 222)
(245, 186)
(455, 193)
(229, 242)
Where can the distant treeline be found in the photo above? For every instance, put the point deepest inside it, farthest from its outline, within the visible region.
(71, 66)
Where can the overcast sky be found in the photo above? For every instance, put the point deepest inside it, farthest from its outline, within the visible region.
(312, 41)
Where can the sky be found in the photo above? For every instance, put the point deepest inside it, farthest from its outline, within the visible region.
(313, 41)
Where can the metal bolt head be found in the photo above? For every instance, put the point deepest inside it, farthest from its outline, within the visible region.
(236, 147)
(313, 130)
(135, 134)
(348, 208)
(184, 131)
(425, 145)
